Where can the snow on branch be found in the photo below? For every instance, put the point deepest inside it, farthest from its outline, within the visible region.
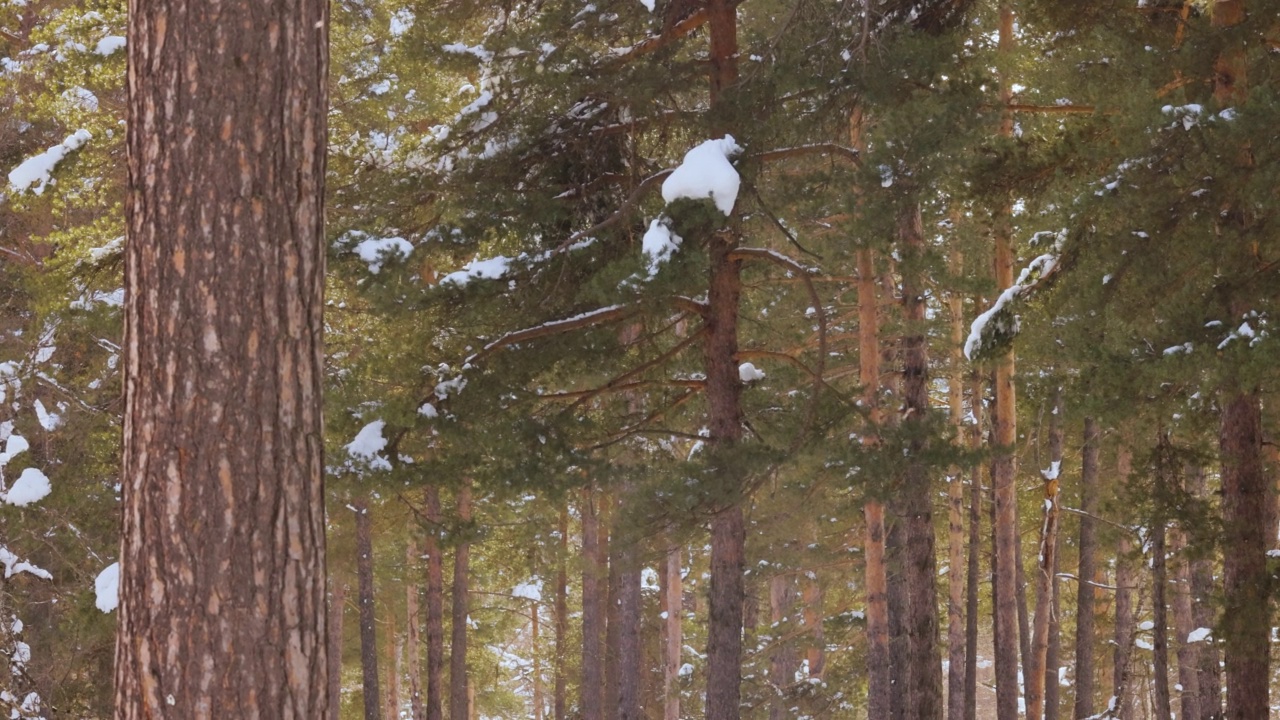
(999, 324)
(599, 316)
(36, 172)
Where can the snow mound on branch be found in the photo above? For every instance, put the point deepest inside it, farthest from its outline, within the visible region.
(36, 172)
(12, 447)
(14, 565)
(107, 588)
(531, 590)
(32, 486)
(748, 372)
(488, 269)
(1199, 635)
(109, 45)
(659, 243)
(368, 445)
(49, 421)
(375, 251)
(706, 173)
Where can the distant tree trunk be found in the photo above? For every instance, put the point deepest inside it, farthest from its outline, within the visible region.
(609, 568)
(368, 628)
(337, 603)
(435, 607)
(1052, 691)
(459, 694)
(593, 610)
(925, 671)
(560, 702)
(1126, 580)
(413, 640)
(673, 606)
(1245, 582)
(783, 662)
(630, 652)
(815, 653)
(1209, 678)
(1183, 624)
(955, 514)
(222, 559)
(1159, 606)
(393, 666)
(1085, 592)
(535, 609)
(1036, 673)
(974, 579)
(879, 688)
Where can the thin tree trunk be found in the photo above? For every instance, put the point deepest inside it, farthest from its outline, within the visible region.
(560, 702)
(1183, 625)
(630, 660)
(1209, 677)
(593, 611)
(609, 568)
(1245, 582)
(413, 629)
(459, 695)
(1086, 594)
(1126, 580)
(673, 606)
(879, 688)
(1036, 672)
(975, 552)
(815, 653)
(955, 515)
(393, 666)
(535, 610)
(338, 602)
(783, 662)
(222, 557)
(925, 672)
(1159, 608)
(368, 628)
(435, 607)
(1052, 689)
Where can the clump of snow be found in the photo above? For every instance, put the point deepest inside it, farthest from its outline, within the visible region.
(32, 486)
(107, 588)
(428, 411)
(36, 172)
(14, 565)
(749, 373)
(48, 421)
(367, 445)
(1199, 635)
(648, 4)
(531, 590)
(478, 51)
(401, 22)
(659, 243)
(488, 269)
(109, 45)
(706, 173)
(376, 251)
(12, 447)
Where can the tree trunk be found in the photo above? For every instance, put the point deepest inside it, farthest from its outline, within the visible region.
(1086, 594)
(879, 688)
(339, 599)
(673, 606)
(955, 515)
(413, 629)
(393, 667)
(368, 628)
(724, 645)
(593, 611)
(1159, 608)
(1126, 580)
(435, 608)
(783, 662)
(924, 670)
(1036, 672)
(1209, 677)
(1245, 582)
(560, 702)
(974, 579)
(459, 695)
(609, 569)
(630, 652)
(815, 653)
(1183, 625)
(535, 610)
(1052, 687)
(222, 555)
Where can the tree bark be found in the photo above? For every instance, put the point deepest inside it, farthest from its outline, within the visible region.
(974, 579)
(222, 555)
(413, 629)
(1209, 677)
(1052, 688)
(783, 661)
(955, 514)
(560, 702)
(609, 569)
(593, 611)
(1086, 594)
(1183, 625)
(673, 606)
(1245, 580)
(1036, 672)
(435, 607)
(629, 660)
(815, 653)
(1159, 606)
(393, 666)
(1126, 580)
(459, 695)
(338, 601)
(368, 627)
(535, 611)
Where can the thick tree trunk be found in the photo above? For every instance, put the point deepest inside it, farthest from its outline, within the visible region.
(593, 610)
(222, 555)
(435, 608)
(368, 627)
(728, 538)
(1036, 675)
(630, 653)
(413, 638)
(1244, 566)
(1086, 594)
(1126, 581)
(955, 515)
(337, 603)
(924, 670)
(783, 662)
(561, 701)
(974, 579)
(672, 640)
(1209, 677)
(879, 688)
(459, 695)
(1183, 625)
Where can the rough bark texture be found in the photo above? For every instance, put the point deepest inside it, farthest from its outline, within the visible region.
(974, 579)
(337, 603)
(1183, 624)
(1209, 677)
(560, 701)
(368, 626)
(672, 640)
(1126, 581)
(630, 652)
(783, 661)
(459, 694)
(1036, 675)
(435, 608)
(222, 538)
(1088, 547)
(875, 580)
(593, 611)
(1052, 688)
(924, 693)
(1159, 619)
(609, 566)
(1244, 566)
(955, 517)
(724, 644)
(413, 631)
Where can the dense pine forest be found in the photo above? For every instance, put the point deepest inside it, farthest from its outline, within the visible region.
(662, 359)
